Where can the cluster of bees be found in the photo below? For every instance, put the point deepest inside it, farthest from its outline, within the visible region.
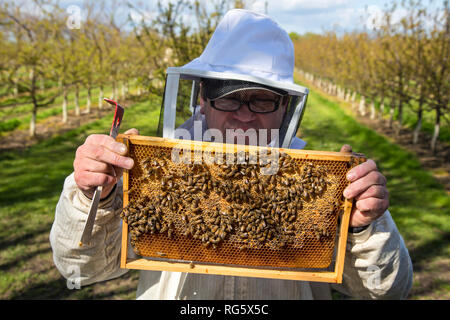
(143, 217)
(235, 202)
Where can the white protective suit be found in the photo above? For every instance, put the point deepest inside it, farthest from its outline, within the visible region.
(377, 263)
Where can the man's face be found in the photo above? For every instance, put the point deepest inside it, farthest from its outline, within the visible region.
(244, 118)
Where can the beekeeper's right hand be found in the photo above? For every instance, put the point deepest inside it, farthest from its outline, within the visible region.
(100, 162)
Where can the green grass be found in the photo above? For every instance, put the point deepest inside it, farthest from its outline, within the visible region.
(9, 125)
(32, 181)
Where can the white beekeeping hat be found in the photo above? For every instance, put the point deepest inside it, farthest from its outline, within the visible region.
(248, 43)
(245, 47)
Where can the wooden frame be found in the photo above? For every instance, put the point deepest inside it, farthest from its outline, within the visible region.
(334, 276)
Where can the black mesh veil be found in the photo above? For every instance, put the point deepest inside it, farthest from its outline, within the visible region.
(215, 89)
(188, 100)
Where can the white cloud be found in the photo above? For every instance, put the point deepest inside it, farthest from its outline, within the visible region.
(258, 6)
(399, 14)
(29, 8)
(308, 16)
(141, 16)
(342, 19)
(305, 4)
(375, 17)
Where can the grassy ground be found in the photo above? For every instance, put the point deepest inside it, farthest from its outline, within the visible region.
(32, 181)
(18, 117)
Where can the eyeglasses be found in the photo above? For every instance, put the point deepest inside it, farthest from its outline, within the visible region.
(255, 105)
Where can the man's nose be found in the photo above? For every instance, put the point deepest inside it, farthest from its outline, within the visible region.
(244, 114)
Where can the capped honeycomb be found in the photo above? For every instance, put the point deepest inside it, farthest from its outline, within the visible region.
(257, 207)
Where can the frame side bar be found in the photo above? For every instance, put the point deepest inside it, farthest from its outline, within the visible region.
(126, 187)
(342, 244)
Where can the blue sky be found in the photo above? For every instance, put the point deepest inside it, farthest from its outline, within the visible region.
(316, 16)
(299, 16)
(310, 15)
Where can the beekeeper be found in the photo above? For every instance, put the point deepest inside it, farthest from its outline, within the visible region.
(377, 263)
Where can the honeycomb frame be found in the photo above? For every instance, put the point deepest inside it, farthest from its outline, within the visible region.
(306, 256)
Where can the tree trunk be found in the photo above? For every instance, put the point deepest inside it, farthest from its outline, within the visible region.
(114, 91)
(89, 97)
(437, 125)
(33, 121)
(362, 106)
(100, 98)
(111, 96)
(372, 110)
(419, 115)
(391, 116)
(16, 89)
(399, 118)
(35, 105)
(77, 99)
(123, 91)
(381, 112)
(64, 105)
(418, 125)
